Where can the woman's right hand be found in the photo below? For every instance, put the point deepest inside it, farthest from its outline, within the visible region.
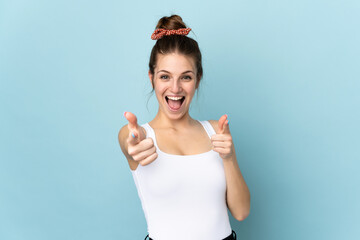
(140, 148)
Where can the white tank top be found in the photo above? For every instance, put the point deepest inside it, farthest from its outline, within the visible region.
(184, 196)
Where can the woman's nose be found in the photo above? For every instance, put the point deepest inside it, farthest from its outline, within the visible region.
(176, 86)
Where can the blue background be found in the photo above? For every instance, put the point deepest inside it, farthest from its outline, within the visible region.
(286, 72)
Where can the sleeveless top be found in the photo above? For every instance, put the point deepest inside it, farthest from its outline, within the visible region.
(184, 196)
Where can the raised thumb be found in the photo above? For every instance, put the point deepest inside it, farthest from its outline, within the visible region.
(221, 124)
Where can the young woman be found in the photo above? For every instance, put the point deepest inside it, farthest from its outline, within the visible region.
(185, 170)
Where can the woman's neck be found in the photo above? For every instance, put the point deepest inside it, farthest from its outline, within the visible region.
(161, 120)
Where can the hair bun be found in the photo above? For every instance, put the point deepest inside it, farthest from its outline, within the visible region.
(173, 22)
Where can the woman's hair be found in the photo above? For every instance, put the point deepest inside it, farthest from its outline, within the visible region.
(180, 44)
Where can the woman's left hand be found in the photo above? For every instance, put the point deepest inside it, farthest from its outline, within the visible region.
(222, 140)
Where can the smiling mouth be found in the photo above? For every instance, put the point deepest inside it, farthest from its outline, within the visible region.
(174, 103)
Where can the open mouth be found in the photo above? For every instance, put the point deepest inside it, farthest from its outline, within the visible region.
(174, 103)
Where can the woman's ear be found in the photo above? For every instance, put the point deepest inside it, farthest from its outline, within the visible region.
(197, 82)
(151, 77)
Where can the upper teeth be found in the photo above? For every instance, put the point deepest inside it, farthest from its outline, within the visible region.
(175, 98)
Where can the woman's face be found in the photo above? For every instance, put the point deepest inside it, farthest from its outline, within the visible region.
(174, 83)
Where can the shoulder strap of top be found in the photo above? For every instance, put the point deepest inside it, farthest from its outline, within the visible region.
(149, 132)
(147, 129)
(208, 128)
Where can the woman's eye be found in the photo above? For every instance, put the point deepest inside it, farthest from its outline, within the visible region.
(164, 77)
(187, 77)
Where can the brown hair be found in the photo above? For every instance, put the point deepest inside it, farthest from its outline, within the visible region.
(175, 44)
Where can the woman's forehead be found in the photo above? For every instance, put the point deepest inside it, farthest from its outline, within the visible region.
(175, 63)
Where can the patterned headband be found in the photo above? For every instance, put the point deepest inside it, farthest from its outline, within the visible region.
(160, 32)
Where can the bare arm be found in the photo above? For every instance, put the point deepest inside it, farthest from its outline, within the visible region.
(237, 192)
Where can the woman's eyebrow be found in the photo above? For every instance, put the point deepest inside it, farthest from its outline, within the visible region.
(182, 73)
